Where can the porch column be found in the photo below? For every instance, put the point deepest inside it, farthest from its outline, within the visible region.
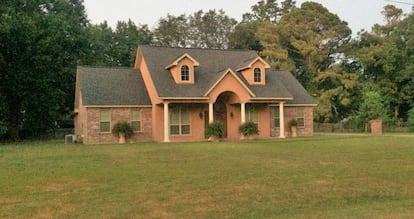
(210, 113)
(166, 123)
(282, 120)
(243, 112)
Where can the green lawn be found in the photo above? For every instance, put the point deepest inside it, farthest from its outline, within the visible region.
(319, 177)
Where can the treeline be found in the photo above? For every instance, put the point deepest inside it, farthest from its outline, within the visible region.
(360, 78)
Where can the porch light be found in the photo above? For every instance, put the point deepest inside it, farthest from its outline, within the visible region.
(231, 115)
(200, 115)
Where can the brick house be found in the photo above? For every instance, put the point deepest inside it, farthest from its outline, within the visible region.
(172, 94)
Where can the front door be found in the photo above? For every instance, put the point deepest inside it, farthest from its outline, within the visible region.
(220, 112)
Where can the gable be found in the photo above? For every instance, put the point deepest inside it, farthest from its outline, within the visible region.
(230, 82)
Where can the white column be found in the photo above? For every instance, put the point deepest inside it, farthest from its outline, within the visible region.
(210, 113)
(166, 123)
(243, 113)
(282, 120)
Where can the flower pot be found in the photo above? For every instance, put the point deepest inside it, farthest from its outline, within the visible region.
(293, 131)
(121, 138)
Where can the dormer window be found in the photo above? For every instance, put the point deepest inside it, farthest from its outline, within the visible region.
(185, 73)
(257, 75)
(183, 69)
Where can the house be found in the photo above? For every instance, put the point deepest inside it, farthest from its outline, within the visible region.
(172, 94)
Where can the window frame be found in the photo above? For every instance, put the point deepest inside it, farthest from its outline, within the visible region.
(252, 114)
(134, 120)
(276, 117)
(185, 73)
(257, 75)
(300, 116)
(182, 124)
(104, 120)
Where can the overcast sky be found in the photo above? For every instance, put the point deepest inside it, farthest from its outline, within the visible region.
(360, 14)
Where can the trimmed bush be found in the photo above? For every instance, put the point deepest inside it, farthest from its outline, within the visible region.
(215, 129)
(293, 123)
(248, 129)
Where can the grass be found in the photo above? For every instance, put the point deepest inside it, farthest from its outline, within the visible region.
(319, 177)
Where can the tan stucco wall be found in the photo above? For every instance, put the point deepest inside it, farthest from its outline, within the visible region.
(231, 84)
(176, 71)
(249, 73)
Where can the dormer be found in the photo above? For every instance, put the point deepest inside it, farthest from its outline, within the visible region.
(182, 69)
(254, 71)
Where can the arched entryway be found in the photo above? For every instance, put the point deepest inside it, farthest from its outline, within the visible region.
(223, 111)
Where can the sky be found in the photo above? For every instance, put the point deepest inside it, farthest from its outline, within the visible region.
(360, 14)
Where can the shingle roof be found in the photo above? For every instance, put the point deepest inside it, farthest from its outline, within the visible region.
(300, 95)
(212, 62)
(112, 86)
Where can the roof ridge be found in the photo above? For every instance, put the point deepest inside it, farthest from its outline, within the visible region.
(199, 48)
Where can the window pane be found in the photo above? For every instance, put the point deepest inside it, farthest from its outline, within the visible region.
(257, 75)
(136, 126)
(301, 122)
(185, 117)
(104, 126)
(300, 112)
(185, 74)
(185, 129)
(276, 122)
(135, 115)
(174, 129)
(174, 116)
(105, 115)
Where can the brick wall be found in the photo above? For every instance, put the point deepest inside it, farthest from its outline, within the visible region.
(94, 136)
(290, 113)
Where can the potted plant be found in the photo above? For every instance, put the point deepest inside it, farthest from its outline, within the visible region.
(215, 131)
(248, 129)
(122, 130)
(293, 127)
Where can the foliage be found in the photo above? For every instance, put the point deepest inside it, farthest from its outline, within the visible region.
(117, 47)
(41, 42)
(215, 129)
(411, 120)
(123, 128)
(100, 182)
(248, 129)
(293, 123)
(209, 29)
(372, 107)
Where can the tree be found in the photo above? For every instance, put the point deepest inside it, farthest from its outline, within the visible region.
(244, 37)
(202, 29)
(372, 107)
(387, 54)
(314, 40)
(41, 42)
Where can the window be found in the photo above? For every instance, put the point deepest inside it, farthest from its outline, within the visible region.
(251, 114)
(104, 120)
(185, 73)
(136, 120)
(300, 117)
(276, 118)
(257, 75)
(179, 121)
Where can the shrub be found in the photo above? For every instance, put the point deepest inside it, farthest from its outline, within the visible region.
(293, 123)
(248, 129)
(122, 127)
(215, 129)
(411, 120)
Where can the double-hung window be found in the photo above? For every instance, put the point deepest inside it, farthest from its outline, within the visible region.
(136, 120)
(104, 120)
(179, 121)
(276, 117)
(300, 117)
(251, 114)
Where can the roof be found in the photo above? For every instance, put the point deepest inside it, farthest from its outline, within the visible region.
(212, 64)
(299, 93)
(112, 86)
